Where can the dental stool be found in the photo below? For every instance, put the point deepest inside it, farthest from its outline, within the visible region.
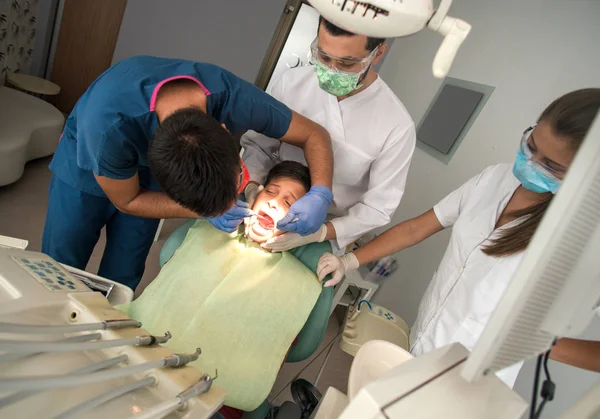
(312, 333)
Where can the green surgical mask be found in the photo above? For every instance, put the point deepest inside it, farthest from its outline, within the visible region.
(336, 82)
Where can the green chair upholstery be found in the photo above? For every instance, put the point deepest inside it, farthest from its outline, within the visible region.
(312, 333)
(174, 241)
(261, 412)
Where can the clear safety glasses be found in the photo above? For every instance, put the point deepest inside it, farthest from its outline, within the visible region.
(345, 64)
(528, 151)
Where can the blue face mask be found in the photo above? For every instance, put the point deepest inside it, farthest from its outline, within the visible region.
(532, 178)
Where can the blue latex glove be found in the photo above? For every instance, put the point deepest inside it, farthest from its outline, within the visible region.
(230, 221)
(307, 214)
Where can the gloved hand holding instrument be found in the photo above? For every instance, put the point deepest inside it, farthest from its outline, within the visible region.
(308, 214)
(251, 192)
(230, 221)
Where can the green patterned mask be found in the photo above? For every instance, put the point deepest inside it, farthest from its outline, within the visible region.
(336, 82)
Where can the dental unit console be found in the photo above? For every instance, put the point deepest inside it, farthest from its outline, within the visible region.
(397, 18)
(66, 352)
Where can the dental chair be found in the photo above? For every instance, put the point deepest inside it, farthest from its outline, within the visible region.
(312, 333)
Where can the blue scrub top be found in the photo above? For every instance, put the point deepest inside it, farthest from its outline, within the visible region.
(110, 127)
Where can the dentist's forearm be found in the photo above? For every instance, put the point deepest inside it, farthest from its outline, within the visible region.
(316, 143)
(399, 237)
(129, 198)
(150, 204)
(319, 157)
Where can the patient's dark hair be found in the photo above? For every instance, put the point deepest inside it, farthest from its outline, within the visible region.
(195, 161)
(291, 170)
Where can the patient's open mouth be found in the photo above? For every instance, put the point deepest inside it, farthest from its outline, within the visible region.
(265, 221)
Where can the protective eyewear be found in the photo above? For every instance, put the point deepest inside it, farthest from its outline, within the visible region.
(244, 177)
(529, 154)
(346, 64)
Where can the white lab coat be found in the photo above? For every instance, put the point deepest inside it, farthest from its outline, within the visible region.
(468, 284)
(373, 139)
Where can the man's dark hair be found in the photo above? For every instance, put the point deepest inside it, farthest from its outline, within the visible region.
(195, 161)
(291, 170)
(372, 43)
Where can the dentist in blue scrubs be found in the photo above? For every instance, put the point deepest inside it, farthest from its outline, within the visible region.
(152, 138)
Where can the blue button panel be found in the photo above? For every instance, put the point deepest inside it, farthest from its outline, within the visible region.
(386, 315)
(50, 274)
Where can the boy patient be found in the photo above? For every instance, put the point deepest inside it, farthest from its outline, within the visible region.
(286, 182)
(243, 306)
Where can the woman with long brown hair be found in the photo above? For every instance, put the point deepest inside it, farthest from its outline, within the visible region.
(493, 218)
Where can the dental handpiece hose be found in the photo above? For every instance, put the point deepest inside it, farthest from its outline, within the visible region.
(163, 409)
(76, 411)
(13, 356)
(107, 363)
(202, 386)
(61, 380)
(67, 328)
(21, 346)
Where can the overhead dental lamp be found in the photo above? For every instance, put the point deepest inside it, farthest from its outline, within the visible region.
(397, 18)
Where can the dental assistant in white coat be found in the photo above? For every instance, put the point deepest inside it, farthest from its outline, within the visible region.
(493, 217)
(373, 136)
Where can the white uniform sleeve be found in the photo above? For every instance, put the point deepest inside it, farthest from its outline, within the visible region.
(449, 208)
(260, 151)
(387, 181)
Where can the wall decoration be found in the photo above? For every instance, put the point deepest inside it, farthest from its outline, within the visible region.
(17, 34)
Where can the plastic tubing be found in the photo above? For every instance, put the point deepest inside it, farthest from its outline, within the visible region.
(66, 328)
(22, 346)
(13, 356)
(16, 397)
(77, 410)
(364, 301)
(57, 381)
